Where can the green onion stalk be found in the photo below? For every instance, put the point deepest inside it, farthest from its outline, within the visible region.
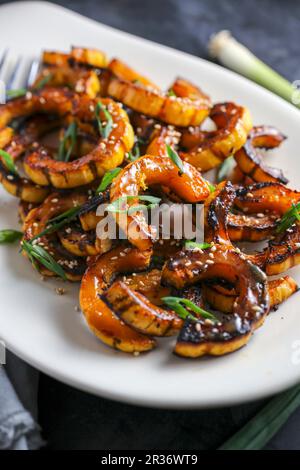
(234, 55)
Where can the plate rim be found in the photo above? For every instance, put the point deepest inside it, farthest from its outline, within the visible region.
(115, 395)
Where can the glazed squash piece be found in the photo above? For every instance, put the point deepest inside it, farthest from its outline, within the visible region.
(40, 166)
(36, 222)
(233, 125)
(99, 316)
(250, 161)
(139, 94)
(136, 310)
(198, 338)
(279, 291)
(146, 171)
(16, 143)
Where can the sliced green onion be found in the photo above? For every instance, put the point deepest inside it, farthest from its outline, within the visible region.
(116, 206)
(260, 429)
(176, 304)
(68, 143)
(201, 246)
(57, 222)
(106, 129)
(9, 162)
(107, 179)
(225, 168)
(236, 56)
(16, 93)
(135, 153)
(10, 236)
(175, 158)
(43, 82)
(289, 218)
(37, 253)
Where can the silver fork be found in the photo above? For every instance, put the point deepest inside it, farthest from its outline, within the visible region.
(16, 71)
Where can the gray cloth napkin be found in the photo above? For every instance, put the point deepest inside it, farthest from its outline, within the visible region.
(18, 406)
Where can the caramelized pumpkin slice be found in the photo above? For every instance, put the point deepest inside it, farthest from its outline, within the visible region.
(284, 251)
(137, 311)
(146, 171)
(199, 338)
(100, 318)
(107, 154)
(250, 161)
(269, 196)
(233, 125)
(36, 222)
(279, 291)
(139, 94)
(251, 228)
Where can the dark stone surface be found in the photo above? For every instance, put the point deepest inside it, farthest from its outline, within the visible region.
(74, 420)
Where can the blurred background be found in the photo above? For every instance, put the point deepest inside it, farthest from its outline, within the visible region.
(270, 28)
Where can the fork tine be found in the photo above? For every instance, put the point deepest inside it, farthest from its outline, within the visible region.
(11, 81)
(33, 71)
(3, 57)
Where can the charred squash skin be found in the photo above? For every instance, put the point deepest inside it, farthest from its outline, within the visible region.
(233, 125)
(16, 144)
(251, 162)
(279, 291)
(41, 167)
(250, 228)
(37, 220)
(190, 267)
(283, 252)
(142, 96)
(146, 171)
(268, 196)
(100, 318)
(138, 312)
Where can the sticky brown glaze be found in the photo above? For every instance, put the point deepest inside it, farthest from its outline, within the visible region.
(198, 338)
(16, 143)
(76, 241)
(141, 95)
(147, 171)
(233, 125)
(284, 251)
(100, 318)
(109, 153)
(279, 291)
(137, 311)
(269, 196)
(38, 219)
(251, 228)
(250, 160)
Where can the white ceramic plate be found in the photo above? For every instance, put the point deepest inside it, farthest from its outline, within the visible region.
(45, 330)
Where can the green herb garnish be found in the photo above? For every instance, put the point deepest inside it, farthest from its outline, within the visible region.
(177, 304)
(289, 218)
(201, 246)
(10, 236)
(37, 253)
(211, 187)
(116, 206)
(39, 85)
(260, 429)
(135, 153)
(57, 222)
(67, 143)
(9, 162)
(107, 179)
(175, 158)
(171, 93)
(106, 129)
(225, 168)
(17, 93)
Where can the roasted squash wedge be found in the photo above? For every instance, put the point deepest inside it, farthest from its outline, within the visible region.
(99, 316)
